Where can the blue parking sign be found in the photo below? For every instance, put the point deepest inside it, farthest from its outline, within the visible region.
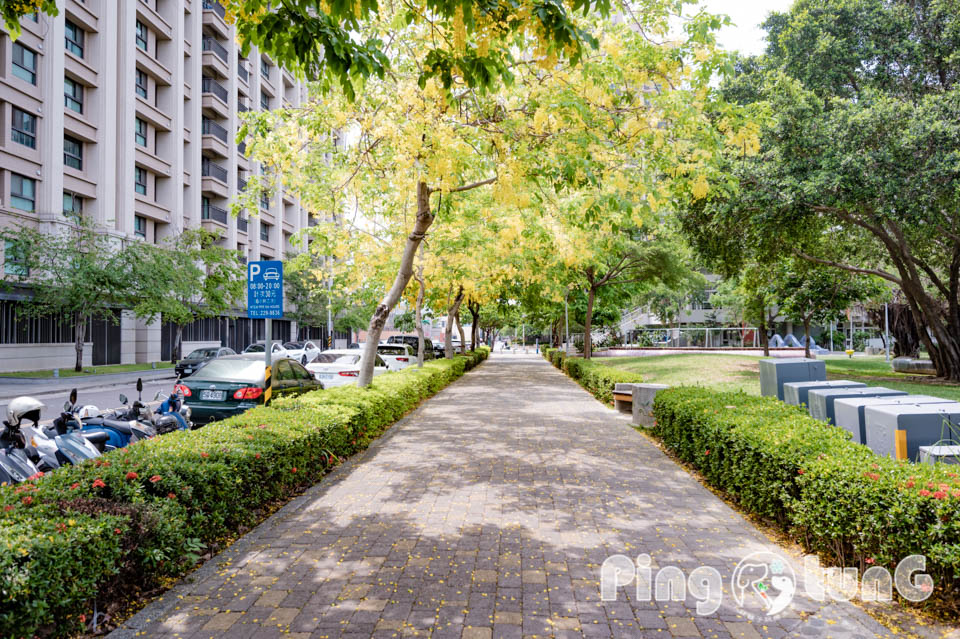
(265, 289)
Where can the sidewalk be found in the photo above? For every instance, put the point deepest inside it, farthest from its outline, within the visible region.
(485, 514)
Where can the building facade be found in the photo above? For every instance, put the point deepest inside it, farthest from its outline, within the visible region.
(126, 112)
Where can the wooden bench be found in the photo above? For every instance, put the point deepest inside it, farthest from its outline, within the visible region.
(623, 401)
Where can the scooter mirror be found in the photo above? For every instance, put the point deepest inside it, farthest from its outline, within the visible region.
(139, 385)
(67, 406)
(123, 398)
(156, 397)
(73, 396)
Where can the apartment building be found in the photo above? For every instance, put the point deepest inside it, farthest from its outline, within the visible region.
(126, 112)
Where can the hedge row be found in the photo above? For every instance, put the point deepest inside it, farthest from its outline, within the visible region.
(149, 510)
(836, 497)
(596, 377)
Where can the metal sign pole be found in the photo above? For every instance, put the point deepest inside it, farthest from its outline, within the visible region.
(886, 329)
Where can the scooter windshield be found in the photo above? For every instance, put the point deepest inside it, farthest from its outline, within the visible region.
(17, 465)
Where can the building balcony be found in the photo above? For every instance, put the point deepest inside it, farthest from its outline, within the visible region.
(242, 224)
(243, 74)
(211, 86)
(209, 168)
(241, 183)
(214, 17)
(215, 138)
(215, 213)
(215, 55)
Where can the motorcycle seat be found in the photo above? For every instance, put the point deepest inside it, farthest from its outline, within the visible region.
(117, 425)
(96, 437)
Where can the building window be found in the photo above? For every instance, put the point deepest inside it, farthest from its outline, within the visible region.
(140, 180)
(24, 128)
(140, 226)
(264, 68)
(24, 63)
(264, 232)
(264, 101)
(73, 95)
(15, 259)
(72, 205)
(73, 152)
(142, 36)
(74, 39)
(141, 81)
(23, 192)
(140, 131)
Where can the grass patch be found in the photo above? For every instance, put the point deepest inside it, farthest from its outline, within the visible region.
(92, 370)
(735, 372)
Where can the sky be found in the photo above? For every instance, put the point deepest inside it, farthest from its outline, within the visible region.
(745, 35)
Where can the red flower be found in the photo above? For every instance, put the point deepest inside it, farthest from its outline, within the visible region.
(257, 455)
(98, 483)
(800, 471)
(293, 470)
(910, 484)
(83, 619)
(132, 475)
(925, 493)
(74, 486)
(171, 496)
(7, 508)
(869, 560)
(204, 455)
(36, 475)
(61, 527)
(155, 479)
(706, 452)
(27, 500)
(940, 494)
(118, 531)
(872, 476)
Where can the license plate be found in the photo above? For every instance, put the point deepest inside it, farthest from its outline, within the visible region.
(213, 395)
(325, 375)
(188, 370)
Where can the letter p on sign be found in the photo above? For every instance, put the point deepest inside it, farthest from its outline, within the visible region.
(254, 270)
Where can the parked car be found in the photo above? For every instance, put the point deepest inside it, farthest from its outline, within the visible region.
(397, 356)
(199, 358)
(341, 367)
(302, 351)
(230, 385)
(414, 342)
(277, 351)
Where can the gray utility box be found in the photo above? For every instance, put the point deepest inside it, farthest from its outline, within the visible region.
(821, 400)
(797, 393)
(643, 396)
(899, 430)
(940, 454)
(848, 411)
(775, 372)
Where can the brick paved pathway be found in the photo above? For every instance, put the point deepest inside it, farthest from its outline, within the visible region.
(485, 514)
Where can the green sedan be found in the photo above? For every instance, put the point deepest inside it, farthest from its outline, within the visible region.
(231, 385)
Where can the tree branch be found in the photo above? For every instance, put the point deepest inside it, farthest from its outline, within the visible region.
(466, 187)
(847, 267)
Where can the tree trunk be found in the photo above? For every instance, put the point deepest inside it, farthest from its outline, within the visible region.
(806, 337)
(474, 308)
(379, 318)
(587, 339)
(418, 315)
(764, 338)
(175, 354)
(463, 338)
(448, 330)
(80, 330)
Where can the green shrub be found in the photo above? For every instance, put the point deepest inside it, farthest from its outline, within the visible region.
(837, 497)
(598, 378)
(148, 510)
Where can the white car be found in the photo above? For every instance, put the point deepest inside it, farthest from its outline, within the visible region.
(397, 356)
(341, 367)
(303, 352)
(277, 351)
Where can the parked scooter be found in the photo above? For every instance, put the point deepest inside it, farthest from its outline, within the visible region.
(118, 432)
(15, 465)
(173, 413)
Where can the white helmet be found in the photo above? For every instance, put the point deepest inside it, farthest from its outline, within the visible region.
(24, 408)
(88, 411)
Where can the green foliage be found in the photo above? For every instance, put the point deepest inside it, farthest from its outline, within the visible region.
(597, 377)
(14, 10)
(320, 40)
(836, 497)
(120, 522)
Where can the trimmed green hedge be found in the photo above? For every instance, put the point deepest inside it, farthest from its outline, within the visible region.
(598, 378)
(837, 497)
(147, 511)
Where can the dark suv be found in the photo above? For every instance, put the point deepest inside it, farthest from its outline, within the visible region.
(414, 342)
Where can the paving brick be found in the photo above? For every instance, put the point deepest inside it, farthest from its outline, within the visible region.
(486, 514)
